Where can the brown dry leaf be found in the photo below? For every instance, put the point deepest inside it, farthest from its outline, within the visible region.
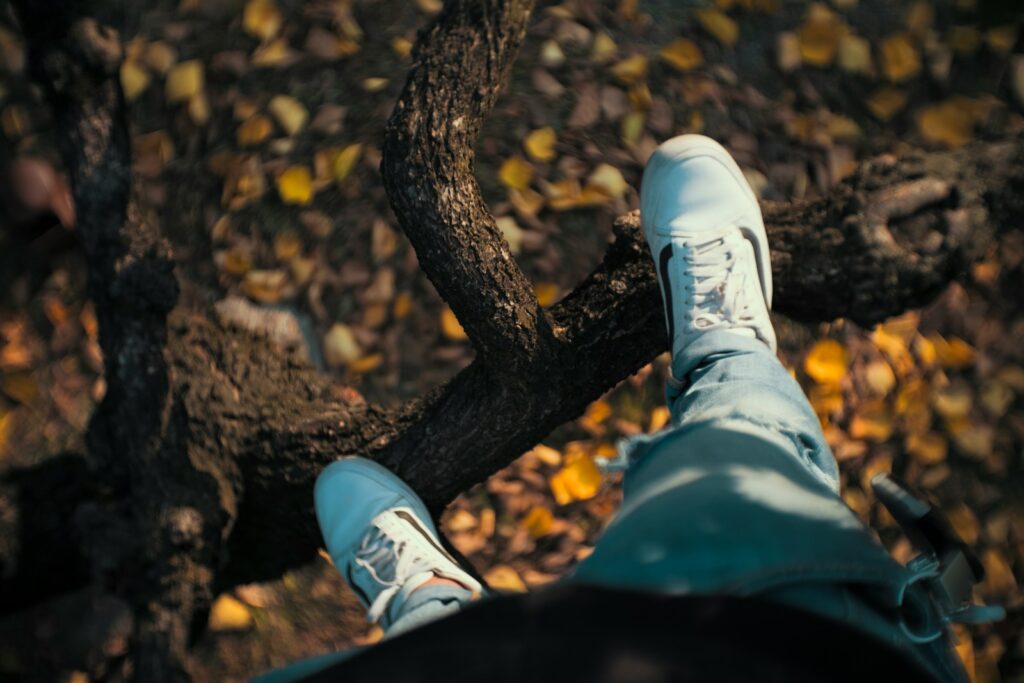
(995, 397)
(199, 109)
(819, 35)
(964, 523)
(153, 149)
(787, 51)
(826, 362)
(340, 346)
(1001, 39)
(1012, 375)
(261, 19)
(401, 46)
(540, 144)
(826, 399)
(402, 306)
(237, 261)
(964, 40)
(526, 202)
(886, 103)
(951, 122)
(461, 520)
(254, 130)
(719, 25)
(927, 449)
(973, 439)
(291, 115)
(134, 79)
(952, 354)
(160, 56)
(954, 401)
(366, 363)
(450, 326)
(21, 387)
(683, 54)
(265, 286)
(899, 58)
(516, 173)
(538, 521)
(920, 17)
(229, 614)
(504, 578)
(244, 182)
(375, 84)
(287, 245)
(597, 412)
(295, 185)
(872, 422)
(579, 478)
(6, 429)
(184, 81)
(999, 579)
(631, 70)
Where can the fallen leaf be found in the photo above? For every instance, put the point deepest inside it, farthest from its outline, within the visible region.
(551, 54)
(540, 144)
(633, 127)
(547, 293)
(538, 521)
(450, 326)
(276, 54)
(855, 55)
(659, 418)
(787, 51)
(184, 81)
(964, 40)
(516, 173)
(719, 25)
(134, 79)
(995, 397)
(547, 455)
(287, 245)
(254, 130)
(401, 46)
(291, 115)
(511, 231)
(344, 161)
(20, 386)
(954, 353)
(504, 578)
(366, 363)
(927, 449)
(951, 122)
(580, 477)
(229, 614)
(199, 109)
(1001, 39)
(609, 179)
(295, 185)
(630, 70)
(953, 401)
(340, 346)
(683, 54)
(160, 56)
(265, 286)
(261, 19)
(826, 362)
(604, 49)
(873, 421)
(819, 35)
(899, 58)
(886, 103)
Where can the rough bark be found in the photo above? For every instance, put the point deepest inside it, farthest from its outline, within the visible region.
(207, 444)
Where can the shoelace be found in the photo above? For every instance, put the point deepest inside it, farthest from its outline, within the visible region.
(381, 555)
(714, 297)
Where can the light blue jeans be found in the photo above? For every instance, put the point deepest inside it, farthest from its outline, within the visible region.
(739, 495)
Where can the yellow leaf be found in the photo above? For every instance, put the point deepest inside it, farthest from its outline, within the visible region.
(366, 363)
(899, 58)
(547, 293)
(718, 25)
(160, 56)
(633, 127)
(964, 523)
(345, 160)
(855, 55)
(538, 521)
(999, 579)
(254, 130)
(276, 53)
(526, 202)
(872, 422)
(819, 36)
(547, 455)
(199, 109)
(184, 81)
(505, 578)
(265, 286)
(261, 19)
(551, 54)
(826, 362)
(604, 48)
(974, 439)
(579, 477)
(295, 185)
(375, 84)
(659, 418)
(683, 54)
(134, 79)
(291, 115)
(886, 103)
(228, 614)
(825, 399)
(598, 411)
(609, 179)
(450, 326)
(631, 70)
(516, 173)
(880, 377)
(1001, 39)
(340, 346)
(951, 122)
(953, 401)
(540, 144)
(461, 520)
(842, 128)
(640, 97)
(401, 46)
(952, 354)
(965, 649)
(927, 449)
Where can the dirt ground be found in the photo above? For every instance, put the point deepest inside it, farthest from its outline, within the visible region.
(263, 169)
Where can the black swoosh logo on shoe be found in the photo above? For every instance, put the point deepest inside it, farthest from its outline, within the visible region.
(666, 291)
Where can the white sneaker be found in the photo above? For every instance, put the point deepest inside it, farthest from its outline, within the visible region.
(380, 536)
(704, 228)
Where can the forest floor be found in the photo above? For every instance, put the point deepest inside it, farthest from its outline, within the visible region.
(257, 132)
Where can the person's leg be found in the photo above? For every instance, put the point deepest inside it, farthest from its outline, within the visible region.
(740, 494)
(381, 538)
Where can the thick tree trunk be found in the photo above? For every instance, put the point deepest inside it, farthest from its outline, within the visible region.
(209, 440)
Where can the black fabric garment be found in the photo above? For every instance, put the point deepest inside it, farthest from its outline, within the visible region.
(581, 633)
